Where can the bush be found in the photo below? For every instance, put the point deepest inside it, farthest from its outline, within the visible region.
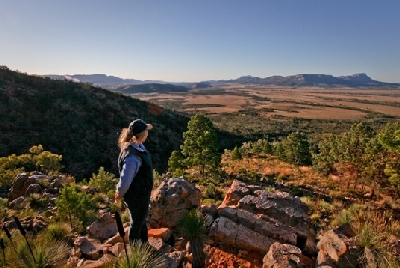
(58, 232)
(104, 181)
(38, 159)
(74, 205)
(47, 252)
(142, 255)
(211, 192)
(37, 202)
(192, 227)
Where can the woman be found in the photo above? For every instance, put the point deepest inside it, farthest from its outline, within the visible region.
(136, 177)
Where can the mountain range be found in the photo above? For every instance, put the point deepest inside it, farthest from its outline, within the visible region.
(321, 80)
(299, 80)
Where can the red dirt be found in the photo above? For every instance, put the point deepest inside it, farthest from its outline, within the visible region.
(218, 258)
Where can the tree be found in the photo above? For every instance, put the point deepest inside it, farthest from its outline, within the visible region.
(176, 163)
(200, 146)
(261, 146)
(236, 155)
(295, 149)
(72, 204)
(356, 153)
(10, 166)
(353, 146)
(279, 151)
(104, 181)
(389, 137)
(44, 161)
(325, 155)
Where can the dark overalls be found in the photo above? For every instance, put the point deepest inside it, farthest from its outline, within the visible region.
(137, 198)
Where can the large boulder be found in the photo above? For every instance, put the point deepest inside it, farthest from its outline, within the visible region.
(282, 256)
(336, 248)
(87, 248)
(171, 201)
(25, 184)
(253, 219)
(19, 185)
(103, 228)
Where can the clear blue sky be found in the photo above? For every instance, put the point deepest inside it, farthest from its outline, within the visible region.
(188, 40)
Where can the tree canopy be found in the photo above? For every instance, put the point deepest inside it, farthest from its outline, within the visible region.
(199, 150)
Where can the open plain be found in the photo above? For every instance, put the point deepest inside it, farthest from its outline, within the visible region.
(256, 109)
(302, 102)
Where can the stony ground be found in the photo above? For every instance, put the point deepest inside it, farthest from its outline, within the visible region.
(219, 258)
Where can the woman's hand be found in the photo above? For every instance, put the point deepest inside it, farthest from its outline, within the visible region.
(116, 196)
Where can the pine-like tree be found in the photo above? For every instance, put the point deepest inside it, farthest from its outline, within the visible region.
(297, 149)
(200, 147)
(176, 163)
(72, 204)
(236, 155)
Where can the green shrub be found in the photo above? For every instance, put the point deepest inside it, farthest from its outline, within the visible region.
(104, 181)
(125, 217)
(58, 231)
(192, 227)
(36, 201)
(207, 201)
(368, 236)
(142, 255)
(236, 155)
(74, 205)
(37, 159)
(47, 252)
(344, 217)
(211, 192)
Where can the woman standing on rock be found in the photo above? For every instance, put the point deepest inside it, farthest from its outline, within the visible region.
(136, 177)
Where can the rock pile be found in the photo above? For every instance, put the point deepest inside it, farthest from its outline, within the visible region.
(251, 228)
(253, 219)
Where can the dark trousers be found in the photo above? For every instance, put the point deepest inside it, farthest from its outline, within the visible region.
(138, 206)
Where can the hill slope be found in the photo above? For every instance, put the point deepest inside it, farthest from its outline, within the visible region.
(78, 121)
(149, 88)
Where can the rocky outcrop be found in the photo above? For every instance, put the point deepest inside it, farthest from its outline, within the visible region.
(282, 256)
(251, 228)
(336, 248)
(171, 201)
(103, 228)
(30, 224)
(253, 219)
(25, 184)
(19, 185)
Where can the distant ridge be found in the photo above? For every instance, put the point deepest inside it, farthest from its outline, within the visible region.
(299, 80)
(319, 80)
(102, 80)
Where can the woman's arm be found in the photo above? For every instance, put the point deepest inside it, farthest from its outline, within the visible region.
(128, 172)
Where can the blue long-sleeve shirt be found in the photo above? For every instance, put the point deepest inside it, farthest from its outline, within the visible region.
(129, 170)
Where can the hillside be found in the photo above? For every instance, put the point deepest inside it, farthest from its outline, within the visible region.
(151, 87)
(78, 121)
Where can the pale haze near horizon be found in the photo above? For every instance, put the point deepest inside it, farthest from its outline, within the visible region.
(190, 41)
